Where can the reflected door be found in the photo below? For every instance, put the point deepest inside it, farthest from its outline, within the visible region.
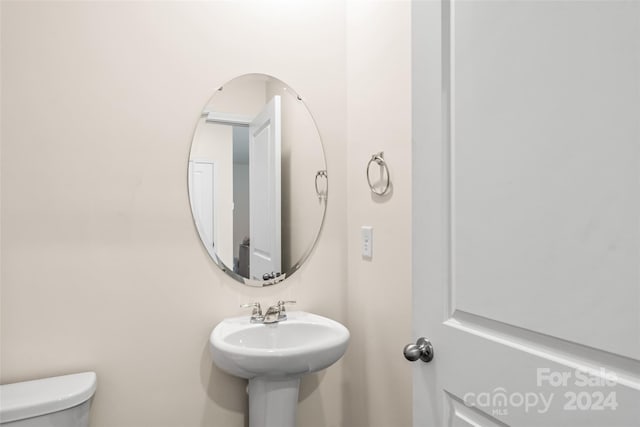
(526, 211)
(201, 197)
(264, 181)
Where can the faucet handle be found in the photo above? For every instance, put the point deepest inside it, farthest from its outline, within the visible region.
(282, 303)
(255, 305)
(283, 313)
(256, 313)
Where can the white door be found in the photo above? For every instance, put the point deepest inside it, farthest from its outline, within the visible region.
(202, 199)
(264, 191)
(526, 204)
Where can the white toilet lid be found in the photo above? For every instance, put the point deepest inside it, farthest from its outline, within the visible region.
(38, 397)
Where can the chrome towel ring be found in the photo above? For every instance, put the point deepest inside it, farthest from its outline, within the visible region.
(385, 177)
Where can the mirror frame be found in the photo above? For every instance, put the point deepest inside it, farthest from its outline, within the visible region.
(325, 196)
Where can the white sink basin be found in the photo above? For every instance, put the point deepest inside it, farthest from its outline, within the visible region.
(274, 356)
(302, 344)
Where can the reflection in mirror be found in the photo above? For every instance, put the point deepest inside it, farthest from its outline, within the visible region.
(257, 179)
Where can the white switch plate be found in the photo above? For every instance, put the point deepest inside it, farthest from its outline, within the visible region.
(367, 241)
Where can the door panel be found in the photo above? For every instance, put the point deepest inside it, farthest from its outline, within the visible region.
(545, 200)
(264, 193)
(201, 197)
(461, 415)
(527, 212)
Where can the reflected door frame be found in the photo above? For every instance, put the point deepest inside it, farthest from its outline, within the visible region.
(196, 203)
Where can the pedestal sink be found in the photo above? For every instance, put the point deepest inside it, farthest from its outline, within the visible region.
(273, 357)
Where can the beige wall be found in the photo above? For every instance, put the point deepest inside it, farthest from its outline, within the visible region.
(102, 268)
(379, 295)
(245, 96)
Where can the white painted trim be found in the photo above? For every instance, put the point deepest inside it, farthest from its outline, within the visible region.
(210, 248)
(227, 118)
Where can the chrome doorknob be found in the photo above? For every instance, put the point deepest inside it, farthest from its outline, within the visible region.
(422, 350)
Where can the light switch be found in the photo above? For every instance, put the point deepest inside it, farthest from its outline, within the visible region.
(367, 241)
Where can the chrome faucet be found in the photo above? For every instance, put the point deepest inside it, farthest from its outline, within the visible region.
(276, 313)
(256, 313)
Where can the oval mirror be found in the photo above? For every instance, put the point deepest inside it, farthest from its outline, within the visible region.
(257, 179)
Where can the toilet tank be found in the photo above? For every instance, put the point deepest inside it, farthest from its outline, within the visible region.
(49, 402)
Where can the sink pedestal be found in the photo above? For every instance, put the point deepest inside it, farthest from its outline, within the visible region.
(273, 357)
(273, 402)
